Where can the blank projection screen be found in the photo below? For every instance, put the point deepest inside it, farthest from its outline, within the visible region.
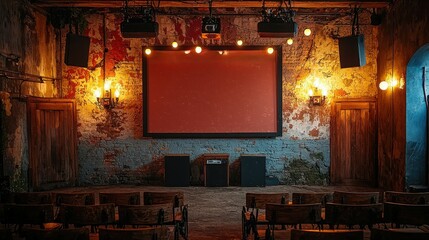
(221, 92)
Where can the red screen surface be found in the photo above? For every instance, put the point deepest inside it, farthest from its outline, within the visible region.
(206, 94)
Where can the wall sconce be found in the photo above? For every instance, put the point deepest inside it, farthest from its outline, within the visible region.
(317, 94)
(107, 101)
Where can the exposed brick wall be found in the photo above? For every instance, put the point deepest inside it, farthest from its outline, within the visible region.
(111, 146)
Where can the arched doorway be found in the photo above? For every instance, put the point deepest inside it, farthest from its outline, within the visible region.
(417, 90)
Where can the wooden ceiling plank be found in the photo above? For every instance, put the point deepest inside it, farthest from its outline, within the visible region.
(216, 4)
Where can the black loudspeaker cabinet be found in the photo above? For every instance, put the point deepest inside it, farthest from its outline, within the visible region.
(252, 170)
(352, 51)
(77, 50)
(177, 170)
(216, 173)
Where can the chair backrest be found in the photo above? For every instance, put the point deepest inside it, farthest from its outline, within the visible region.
(101, 214)
(259, 200)
(120, 198)
(406, 197)
(156, 214)
(75, 198)
(147, 233)
(33, 198)
(400, 213)
(356, 197)
(326, 234)
(353, 214)
(177, 198)
(293, 213)
(398, 234)
(57, 234)
(315, 197)
(28, 213)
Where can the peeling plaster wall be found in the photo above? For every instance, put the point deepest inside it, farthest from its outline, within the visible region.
(112, 149)
(24, 33)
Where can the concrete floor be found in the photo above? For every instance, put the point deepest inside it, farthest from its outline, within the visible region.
(215, 212)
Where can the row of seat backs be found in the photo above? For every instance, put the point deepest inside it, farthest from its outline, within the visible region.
(376, 234)
(120, 198)
(259, 200)
(156, 214)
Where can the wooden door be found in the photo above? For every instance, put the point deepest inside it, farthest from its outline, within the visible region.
(354, 142)
(52, 143)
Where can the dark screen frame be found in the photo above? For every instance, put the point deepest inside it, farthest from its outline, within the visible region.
(145, 80)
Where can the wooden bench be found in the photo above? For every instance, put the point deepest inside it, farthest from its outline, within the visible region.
(253, 213)
(34, 214)
(148, 233)
(314, 197)
(292, 214)
(406, 197)
(57, 234)
(120, 198)
(180, 209)
(353, 214)
(74, 198)
(406, 214)
(297, 234)
(356, 197)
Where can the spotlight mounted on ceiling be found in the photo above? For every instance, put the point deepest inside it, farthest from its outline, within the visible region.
(139, 23)
(210, 25)
(278, 23)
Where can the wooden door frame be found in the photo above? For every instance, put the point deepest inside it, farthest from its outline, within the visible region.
(332, 130)
(31, 163)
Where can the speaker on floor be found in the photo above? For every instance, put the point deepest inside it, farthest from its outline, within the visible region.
(177, 170)
(352, 51)
(252, 170)
(77, 50)
(216, 173)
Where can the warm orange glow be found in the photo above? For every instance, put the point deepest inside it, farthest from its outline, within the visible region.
(310, 92)
(107, 85)
(239, 42)
(289, 41)
(198, 49)
(97, 93)
(174, 44)
(117, 93)
(147, 51)
(270, 50)
(307, 32)
(383, 85)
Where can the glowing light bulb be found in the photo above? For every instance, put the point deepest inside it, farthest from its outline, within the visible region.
(383, 85)
(239, 42)
(324, 92)
(107, 85)
(289, 41)
(316, 83)
(174, 44)
(117, 93)
(393, 82)
(310, 93)
(147, 51)
(187, 51)
(270, 50)
(97, 93)
(198, 49)
(307, 32)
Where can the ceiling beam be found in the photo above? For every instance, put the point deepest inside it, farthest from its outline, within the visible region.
(216, 4)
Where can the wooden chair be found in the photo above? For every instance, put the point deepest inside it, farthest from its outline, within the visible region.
(148, 233)
(33, 198)
(120, 198)
(356, 197)
(180, 209)
(87, 215)
(34, 214)
(398, 234)
(74, 198)
(314, 197)
(292, 214)
(57, 234)
(253, 213)
(406, 197)
(353, 214)
(406, 214)
(326, 234)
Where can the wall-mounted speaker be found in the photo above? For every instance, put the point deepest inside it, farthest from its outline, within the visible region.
(77, 50)
(352, 51)
(177, 170)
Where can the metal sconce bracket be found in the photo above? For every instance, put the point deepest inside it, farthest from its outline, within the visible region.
(317, 100)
